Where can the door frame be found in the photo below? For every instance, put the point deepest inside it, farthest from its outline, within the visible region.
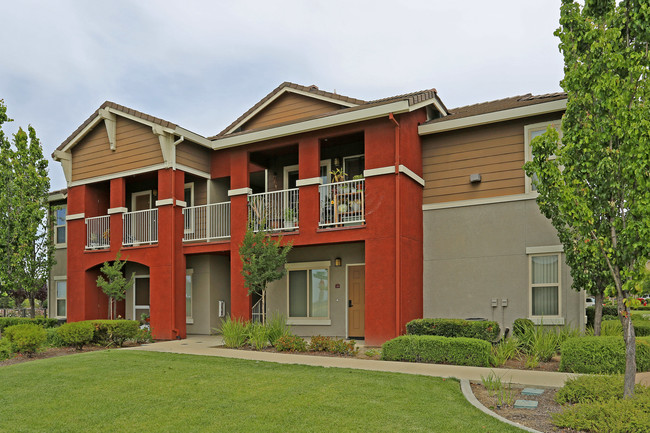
(347, 296)
(135, 307)
(138, 194)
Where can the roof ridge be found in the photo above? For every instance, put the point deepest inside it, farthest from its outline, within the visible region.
(403, 95)
(516, 98)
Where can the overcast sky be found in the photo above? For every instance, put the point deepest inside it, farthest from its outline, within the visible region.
(201, 64)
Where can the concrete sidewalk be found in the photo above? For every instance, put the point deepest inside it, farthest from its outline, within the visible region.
(207, 345)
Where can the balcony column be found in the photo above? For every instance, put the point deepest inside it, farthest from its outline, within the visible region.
(116, 210)
(238, 193)
(309, 180)
(167, 280)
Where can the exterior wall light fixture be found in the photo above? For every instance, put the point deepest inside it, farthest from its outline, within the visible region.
(337, 262)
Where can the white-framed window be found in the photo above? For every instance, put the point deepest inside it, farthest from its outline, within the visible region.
(188, 295)
(308, 291)
(60, 235)
(61, 297)
(354, 165)
(545, 288)
(530, 132)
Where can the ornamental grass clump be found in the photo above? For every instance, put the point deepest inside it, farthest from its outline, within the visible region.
(277, 327)
(25, 339)
(235, 332)
(258, 335)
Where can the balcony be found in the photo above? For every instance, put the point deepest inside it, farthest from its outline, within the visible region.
(140, 227)
(273, 211)
(207, 222)
(98, 234)
(342, 204)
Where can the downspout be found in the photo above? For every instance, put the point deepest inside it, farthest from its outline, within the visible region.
(398, 254)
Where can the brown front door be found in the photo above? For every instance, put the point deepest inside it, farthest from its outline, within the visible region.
(356, 301)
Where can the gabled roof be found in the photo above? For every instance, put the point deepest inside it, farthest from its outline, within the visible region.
(413, 101)
(285, 87)
(496, 111)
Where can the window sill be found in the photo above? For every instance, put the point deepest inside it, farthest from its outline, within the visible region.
(545, 320)
(60, 246)
(189, 321)
(307, 321)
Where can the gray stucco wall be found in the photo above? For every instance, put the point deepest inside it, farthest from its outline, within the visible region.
(210, 284)
(277, 292)
(473, 254)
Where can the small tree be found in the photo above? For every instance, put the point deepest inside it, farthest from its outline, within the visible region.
(263, 261)
(115, 284)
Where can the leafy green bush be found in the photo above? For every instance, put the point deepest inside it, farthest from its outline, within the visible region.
(521, 326)
(608, 310)
(591, 388)
(602, 355)
(6, 351)
(77, 334)
(277, 327)
(114, 331)
(483, 330)
(53, 338)
(27, 338)
(436, 349)
(144, 336)
(319, 343)
(290, 343)
(41, 321)
(642, 308)
(614, 327)
(258, 335)
(611, 416)
(235, 332)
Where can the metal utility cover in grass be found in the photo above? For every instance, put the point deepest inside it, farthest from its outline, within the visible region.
(526, 404)
(532, 391)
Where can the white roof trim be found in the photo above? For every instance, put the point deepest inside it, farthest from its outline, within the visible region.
(497, 116)
(282, 92)
(430, 101)
(155, 167)
(313, 124)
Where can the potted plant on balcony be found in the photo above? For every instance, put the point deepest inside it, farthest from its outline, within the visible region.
(290, 220)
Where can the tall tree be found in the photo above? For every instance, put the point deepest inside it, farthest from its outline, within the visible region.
(115, 283)
(599, 174)
(27, 238)
(263, 261)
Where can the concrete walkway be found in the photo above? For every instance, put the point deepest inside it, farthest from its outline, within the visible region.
(207, 345)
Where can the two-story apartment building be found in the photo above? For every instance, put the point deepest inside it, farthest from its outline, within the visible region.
(397, 209)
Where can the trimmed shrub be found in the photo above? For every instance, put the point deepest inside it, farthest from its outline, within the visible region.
(521, 327)
(6, 351)
(291, 343)
(436, 349)
(642, 308)
(319, 343)
(27, 338)
(41, 321)
(602, 355)
(53, 338)
(483, 330)
(608, 310)
(77, 334)
(114, 331)
(592, 388)
(641, 327)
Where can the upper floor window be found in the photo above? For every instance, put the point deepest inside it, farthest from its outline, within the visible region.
(59, 225)
(530, 132)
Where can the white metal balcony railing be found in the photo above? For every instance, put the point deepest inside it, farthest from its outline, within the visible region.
(273, 211)
(207, 222)
(140, 227)
(342, 203)
(98, 234)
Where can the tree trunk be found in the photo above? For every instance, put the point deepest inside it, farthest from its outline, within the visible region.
(630, 347)
(32, 307)
(263, 307)
(598, 313)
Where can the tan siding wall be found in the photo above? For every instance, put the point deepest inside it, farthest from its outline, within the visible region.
(194, 156)
(495, 151)
(136, 147)
(200, 192)
(289, 107)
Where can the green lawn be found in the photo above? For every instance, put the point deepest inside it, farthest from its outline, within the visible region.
(128, 391)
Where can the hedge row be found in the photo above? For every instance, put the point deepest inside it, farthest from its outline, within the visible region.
(607, 311)
(12, 321)
(78, 334)
(641, 327)
(438, 350)
(483, 330)
(602, 355)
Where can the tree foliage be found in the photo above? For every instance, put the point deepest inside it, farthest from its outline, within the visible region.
(26, 252)
(594, 184)
(115, 284)
(263, 261)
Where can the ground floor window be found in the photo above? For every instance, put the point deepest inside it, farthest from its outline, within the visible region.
(308, 289)
(545, 284)
(61, 289)
(188, 295)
